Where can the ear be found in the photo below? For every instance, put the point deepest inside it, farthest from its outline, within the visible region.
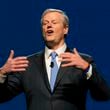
(66, 30)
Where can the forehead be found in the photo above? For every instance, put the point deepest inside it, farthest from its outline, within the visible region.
(53, 15)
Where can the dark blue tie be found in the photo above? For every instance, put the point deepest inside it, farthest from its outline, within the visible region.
(54, 70)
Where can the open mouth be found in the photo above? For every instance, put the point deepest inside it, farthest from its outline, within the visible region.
(50, 32)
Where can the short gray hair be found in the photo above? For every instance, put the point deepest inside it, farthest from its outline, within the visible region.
(66, 19)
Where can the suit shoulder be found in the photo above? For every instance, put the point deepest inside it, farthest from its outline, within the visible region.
(87, 57)
(37, 54)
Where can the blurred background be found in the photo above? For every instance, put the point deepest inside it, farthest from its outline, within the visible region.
(89, 32)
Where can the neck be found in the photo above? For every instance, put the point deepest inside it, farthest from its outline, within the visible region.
(54, 46)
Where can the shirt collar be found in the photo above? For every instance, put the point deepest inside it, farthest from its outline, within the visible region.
(58, 51)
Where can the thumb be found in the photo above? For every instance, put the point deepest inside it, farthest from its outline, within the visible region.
(75, 51)
(11, 54)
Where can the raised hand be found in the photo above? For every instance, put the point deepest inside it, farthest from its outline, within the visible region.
(73, 59)
(14, 64)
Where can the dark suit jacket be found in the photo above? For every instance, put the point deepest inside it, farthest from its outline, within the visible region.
(70, 89)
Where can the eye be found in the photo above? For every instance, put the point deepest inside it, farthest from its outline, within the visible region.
(54, 22)
(44, 22)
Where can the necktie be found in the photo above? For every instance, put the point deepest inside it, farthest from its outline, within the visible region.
(54, 70)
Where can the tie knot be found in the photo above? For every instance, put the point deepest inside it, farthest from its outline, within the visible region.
(53, 55)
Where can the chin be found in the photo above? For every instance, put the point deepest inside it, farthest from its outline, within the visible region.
(49, 39)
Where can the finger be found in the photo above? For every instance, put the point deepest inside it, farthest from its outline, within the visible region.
(20, 58)
(68, 64)
(20, 62)
(75, 51)
(67, 54)
(19, 70)
(65, 60)
(11, 54)
(20, 66)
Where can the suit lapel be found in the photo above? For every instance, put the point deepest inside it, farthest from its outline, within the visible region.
(42, 68)
(62, 71)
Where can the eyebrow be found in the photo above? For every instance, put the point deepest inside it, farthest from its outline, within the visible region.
(48, 20)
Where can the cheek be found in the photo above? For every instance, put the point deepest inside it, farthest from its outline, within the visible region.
(60, 31)
(43, 31)
(43, 34)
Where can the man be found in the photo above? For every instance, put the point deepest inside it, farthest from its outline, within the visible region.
(57, 78)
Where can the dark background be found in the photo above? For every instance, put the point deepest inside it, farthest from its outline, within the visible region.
(89, 33)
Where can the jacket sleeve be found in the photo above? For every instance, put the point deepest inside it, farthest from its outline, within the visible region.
(11, 87)
(99, 89)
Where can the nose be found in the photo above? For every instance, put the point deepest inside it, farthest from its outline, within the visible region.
(49, 25)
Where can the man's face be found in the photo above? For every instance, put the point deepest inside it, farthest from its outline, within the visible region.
(53, 28)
